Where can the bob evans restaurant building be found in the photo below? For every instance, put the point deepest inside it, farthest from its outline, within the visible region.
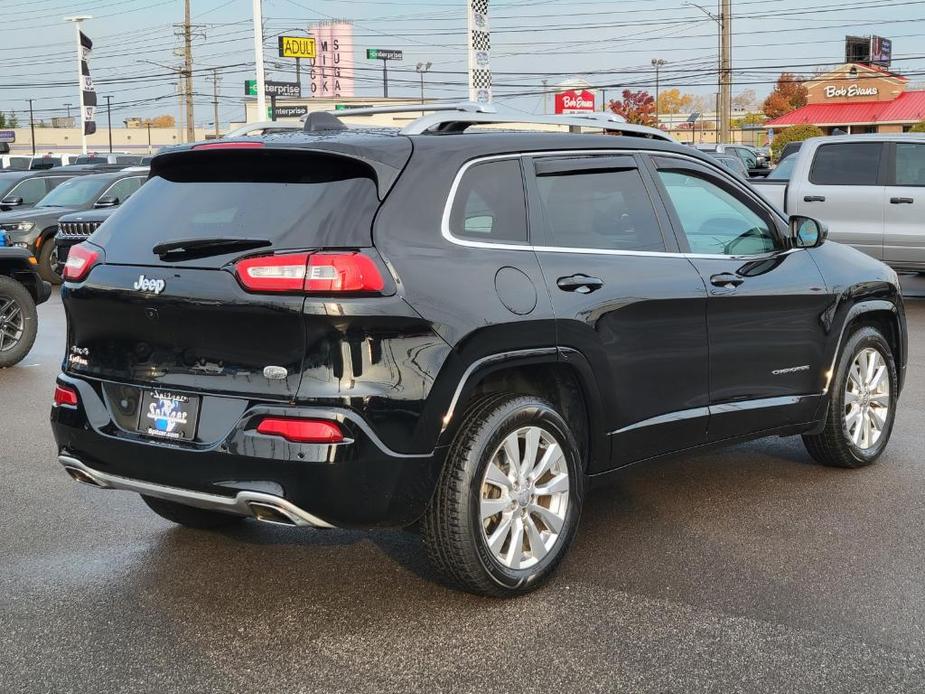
(857, 98)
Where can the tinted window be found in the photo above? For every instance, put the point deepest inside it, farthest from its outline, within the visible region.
(91, 160)
(123, 189)
(128, 159)
(910, 164)
(846, 164)
(489, 203)
(715, 221)
(31, 190)
(784, 170)
(20, 163)
(45, 163)
(609, 210)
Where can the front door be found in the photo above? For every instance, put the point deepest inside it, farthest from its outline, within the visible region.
(625, 298)
(904, 206)
(764, 306)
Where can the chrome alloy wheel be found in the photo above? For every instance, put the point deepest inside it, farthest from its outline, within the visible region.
(12, 323)
(524, 497)
(867, 398)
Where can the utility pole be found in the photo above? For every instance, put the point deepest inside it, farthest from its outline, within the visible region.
(258, 61)
(188, 71)
(32, 126)
(109, 118)
(545, 98)
(422, 68)
(68, 107)
(215, 98)
(725, 18)
(657, 63)
(179, 111)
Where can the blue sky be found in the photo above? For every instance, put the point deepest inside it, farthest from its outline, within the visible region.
(604, 42)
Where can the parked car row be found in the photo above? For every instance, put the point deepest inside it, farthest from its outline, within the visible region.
(29, 162)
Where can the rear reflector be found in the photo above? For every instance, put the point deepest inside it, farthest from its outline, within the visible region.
(230, 145)
(301, 430)
(80, 260)
(322, 273)
(65, 395)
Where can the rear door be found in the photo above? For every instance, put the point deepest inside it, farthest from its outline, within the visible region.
(904, 205)
(624, 298)
(845, 190)
(181, 319)
(765, 301)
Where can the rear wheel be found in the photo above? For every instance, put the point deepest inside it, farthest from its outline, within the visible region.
(190, 516)
(18, 322)
(48, 261)
(863, 405)
(509, 497)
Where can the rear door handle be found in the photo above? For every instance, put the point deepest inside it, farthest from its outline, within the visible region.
(813, 198)
(902, 201)
(726, 280)
(579, 283)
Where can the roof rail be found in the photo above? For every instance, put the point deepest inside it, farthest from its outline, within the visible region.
(447, 122)
(461, 107)
(250, 128)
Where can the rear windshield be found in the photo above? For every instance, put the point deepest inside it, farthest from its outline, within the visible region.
(300, 202)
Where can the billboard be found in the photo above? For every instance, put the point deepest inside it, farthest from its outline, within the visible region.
(332, 74)
(871, 50)
(575, 101)
(881, 51)
(296, 47)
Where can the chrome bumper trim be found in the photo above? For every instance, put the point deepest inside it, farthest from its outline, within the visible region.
(239, 504)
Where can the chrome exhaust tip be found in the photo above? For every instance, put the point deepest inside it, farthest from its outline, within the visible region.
(269, 513)
(80, 476)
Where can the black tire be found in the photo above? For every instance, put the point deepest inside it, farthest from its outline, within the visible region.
(17, 335)
(452, 526)
(833, 446)
(48, 262)
(190, 516)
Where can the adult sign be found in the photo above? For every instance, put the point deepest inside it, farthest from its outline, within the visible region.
(575, 101)
(296, 47)
(383, 54)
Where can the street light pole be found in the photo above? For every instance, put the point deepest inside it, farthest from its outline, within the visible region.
(109, 118)
(657, 63)
(421, 69)
(80, 79)
(32, 126)
(258, 60)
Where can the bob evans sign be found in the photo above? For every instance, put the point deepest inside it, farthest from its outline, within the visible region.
(833, 91)
(575, 101)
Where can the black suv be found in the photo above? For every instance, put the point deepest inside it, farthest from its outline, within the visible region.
(21, 289)
(456, 331)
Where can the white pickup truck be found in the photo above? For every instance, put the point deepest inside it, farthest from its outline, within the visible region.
(868, 189)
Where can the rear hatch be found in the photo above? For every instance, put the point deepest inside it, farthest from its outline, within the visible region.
(166, 308)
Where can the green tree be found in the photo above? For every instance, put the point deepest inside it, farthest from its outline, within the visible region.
(918, 127)
(2, 120)
(795, 133)
(12, 121)
(748, 119)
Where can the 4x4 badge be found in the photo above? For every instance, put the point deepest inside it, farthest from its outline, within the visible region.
(143, 284)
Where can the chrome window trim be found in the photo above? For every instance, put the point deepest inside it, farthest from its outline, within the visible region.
(469, 243)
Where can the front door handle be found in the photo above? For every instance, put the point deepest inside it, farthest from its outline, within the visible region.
(813, 198)
(726, 280)
(902, 201)
(579, 283)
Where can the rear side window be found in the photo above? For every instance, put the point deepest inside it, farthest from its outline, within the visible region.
(910, 164)
(293, 201)
(599, 209)
(846, 164)
(489, 203)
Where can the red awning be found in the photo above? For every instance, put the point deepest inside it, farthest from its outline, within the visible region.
(907, 108)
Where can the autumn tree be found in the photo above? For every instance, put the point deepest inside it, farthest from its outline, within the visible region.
(164, 121)
(788, 95)
(636, 107)
(673, 101)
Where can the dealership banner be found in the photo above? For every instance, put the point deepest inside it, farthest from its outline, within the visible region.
(479, 52)
(87, 90)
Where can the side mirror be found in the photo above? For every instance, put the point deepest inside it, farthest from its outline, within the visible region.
(107, 201)
(806, 232)
(10, 202)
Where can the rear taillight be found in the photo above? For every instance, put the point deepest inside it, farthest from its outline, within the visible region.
(80, 260)
(322, 273)
(65, 395)
(301, 430)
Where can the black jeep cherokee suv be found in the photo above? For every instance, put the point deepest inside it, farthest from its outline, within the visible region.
(460, 330)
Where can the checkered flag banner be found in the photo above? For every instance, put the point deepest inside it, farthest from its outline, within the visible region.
(87, 90)
(479, 52)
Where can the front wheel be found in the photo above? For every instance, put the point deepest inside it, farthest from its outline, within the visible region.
(18, 322)
(509, 497)
(863, 393)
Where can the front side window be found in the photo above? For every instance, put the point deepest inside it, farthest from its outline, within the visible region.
(123, 189)
(489, 203)
(846, 164)
(31, 191)
(599, 209)
(910, 164)
(715, 221)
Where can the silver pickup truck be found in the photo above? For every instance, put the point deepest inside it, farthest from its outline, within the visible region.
(868, 189)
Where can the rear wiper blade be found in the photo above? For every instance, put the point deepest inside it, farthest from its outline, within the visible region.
(201, 248)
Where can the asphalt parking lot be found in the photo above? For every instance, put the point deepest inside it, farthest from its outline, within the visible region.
(746, 570)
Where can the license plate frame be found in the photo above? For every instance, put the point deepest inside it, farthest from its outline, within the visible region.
(168, 415)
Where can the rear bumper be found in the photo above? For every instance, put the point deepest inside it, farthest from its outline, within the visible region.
(358, 483)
